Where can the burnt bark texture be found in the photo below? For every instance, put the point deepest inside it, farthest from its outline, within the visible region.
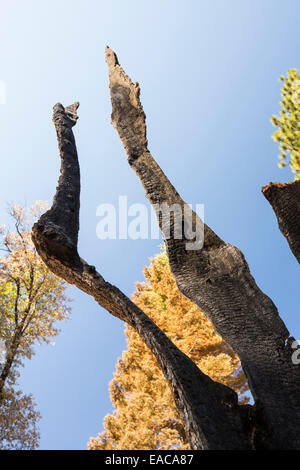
(285, 201)
(10, 357)
(204, 404)
(216, 277)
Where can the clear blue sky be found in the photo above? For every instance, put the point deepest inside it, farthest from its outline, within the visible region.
(208, 72)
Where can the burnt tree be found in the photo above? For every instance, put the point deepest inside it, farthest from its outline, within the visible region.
(216, 278)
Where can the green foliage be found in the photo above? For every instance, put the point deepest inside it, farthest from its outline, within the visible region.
(288, 123)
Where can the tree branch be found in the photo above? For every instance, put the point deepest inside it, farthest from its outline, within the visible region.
(217, 279)
(285, 201)
(16, 309)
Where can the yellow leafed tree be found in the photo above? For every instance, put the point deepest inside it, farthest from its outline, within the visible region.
(32, 301)
(145, 416)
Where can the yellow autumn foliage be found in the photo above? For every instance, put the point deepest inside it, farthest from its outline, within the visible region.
(32, 302)
(145, 416)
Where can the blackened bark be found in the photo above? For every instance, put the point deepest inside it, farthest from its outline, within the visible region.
(210, 411)
(285, 201)
(218, 280)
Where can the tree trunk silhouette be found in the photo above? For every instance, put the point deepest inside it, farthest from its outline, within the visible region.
(215, 276)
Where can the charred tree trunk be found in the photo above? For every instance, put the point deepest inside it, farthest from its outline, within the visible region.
(215, 277)
(204, 404)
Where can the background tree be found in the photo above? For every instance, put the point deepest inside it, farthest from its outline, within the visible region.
(285, 198)
(32, 300)
(288, 123)
(145, 415)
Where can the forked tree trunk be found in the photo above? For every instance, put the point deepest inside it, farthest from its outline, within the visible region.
(215, 277)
